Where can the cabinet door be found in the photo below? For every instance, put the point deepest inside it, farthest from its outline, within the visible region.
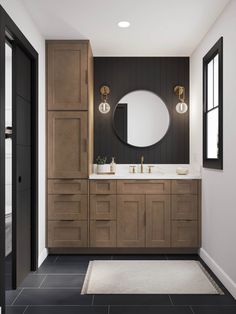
(157, 220)
(130, 220)
(67, 234)
(67, 65)
(102, 233)
(184, 234)
(67, 144)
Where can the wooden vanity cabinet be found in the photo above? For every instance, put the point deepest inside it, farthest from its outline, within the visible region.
(69, 141)
(145, 213)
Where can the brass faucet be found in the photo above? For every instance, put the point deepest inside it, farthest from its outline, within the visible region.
(142, 161)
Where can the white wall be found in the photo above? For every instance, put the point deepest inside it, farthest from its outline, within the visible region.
(218, 199)
(22, 19)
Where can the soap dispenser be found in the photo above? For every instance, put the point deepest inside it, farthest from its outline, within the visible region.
(113, 165)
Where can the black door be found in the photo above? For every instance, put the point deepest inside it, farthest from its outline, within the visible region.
(22, 130)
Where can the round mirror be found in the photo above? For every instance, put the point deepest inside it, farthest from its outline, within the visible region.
(141, 118)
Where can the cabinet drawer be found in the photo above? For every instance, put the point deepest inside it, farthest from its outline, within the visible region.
(103, 187)
(143, 187)
(102, 233)
(67, 186)
(184, 186)
(184, 207)
(184, 234)
(103, 207)
(67, 234)
(65, 207)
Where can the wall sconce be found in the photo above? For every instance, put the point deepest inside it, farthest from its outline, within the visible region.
(181, 107)
(104, 107)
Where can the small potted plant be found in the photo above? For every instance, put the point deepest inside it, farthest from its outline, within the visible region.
(102, 167)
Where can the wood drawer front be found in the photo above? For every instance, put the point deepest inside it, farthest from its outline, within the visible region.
(67, 234)
(66, 207)
(103, 207)
(143, 187)
(184, 207)
(102, 233)
(184, 186)
(103, 187)
(67, 186)
(184, 234)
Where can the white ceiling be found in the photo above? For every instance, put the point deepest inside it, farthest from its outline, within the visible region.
(158, 27)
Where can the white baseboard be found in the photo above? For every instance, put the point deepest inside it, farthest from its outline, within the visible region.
(42, 256)
(219, 272)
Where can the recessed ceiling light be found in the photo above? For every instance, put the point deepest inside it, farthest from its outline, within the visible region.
(124, 24)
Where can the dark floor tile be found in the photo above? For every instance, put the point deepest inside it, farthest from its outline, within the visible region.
(11, 296)
(63, 268)
(53, 297)
(67, 310)
(81, 258)
(131, 299)
(204, 299)
(139, 257)
(150, 310)
(194, 257)
(63, 281)
(33, 281)
(8, 282)
(15, 309)
(50, 259)
(214, 309)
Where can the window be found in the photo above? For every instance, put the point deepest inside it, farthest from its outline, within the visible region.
(213, 107)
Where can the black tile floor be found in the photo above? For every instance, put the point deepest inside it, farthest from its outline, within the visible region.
(55, 289)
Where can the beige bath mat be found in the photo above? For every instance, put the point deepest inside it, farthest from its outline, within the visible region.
(148, 277)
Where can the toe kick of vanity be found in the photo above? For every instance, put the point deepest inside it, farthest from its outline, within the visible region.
(131, 214)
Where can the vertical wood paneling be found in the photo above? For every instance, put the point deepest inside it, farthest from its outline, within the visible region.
(157, 74)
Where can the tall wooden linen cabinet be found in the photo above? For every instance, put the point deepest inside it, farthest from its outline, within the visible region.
(69, 141)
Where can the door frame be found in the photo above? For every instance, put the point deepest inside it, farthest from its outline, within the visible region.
(8, 29)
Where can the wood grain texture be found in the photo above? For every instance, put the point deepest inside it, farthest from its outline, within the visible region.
(67, 144)
(67, 75)
(158, 229)
(102, 233)
(184, 207)
(130, 221)
(64, 207)
(184, 233)
(67, 234)
(68, 186)
(102, 207)
(102, 187)
(156, 74)
(184, 186)
(143, 187)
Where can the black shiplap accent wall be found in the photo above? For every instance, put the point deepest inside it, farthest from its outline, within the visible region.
(157, 74)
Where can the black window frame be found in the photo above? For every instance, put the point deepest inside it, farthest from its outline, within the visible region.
(213, 163)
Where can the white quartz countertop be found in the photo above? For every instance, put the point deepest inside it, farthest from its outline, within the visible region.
(159, 172)
(143, 176)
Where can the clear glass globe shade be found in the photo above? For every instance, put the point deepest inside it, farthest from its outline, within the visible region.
(181, 107)
(104, 107)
